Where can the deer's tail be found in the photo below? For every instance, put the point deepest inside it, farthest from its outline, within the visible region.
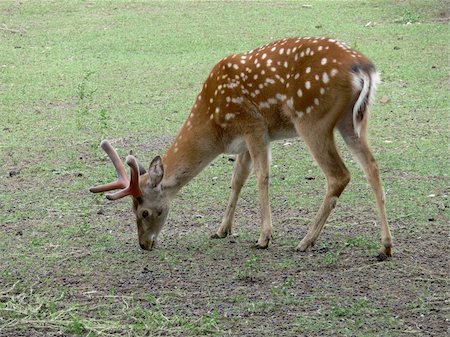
(365, 80)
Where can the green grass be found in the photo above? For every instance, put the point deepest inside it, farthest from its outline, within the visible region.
(75, 72)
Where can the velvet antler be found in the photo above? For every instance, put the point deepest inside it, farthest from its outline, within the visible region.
(128, 186)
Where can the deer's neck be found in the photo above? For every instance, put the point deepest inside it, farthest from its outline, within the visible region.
(194, 148)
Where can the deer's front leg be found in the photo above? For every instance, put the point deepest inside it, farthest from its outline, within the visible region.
(240, 175)
(259, 151)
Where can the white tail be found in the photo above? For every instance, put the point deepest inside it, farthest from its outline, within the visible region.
(291, 87)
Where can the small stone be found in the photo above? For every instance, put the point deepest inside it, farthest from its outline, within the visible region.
(385, 99)
(13, 173)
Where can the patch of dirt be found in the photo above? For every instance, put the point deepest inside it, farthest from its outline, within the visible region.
(323, 292)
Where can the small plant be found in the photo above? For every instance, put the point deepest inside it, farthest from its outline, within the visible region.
(76, 327)
(84, 98)
(331, 258)
(409, 17)
(85, 103)
(250, 269)
(284, 288)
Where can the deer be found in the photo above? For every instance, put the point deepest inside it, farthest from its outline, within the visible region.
(294, 87)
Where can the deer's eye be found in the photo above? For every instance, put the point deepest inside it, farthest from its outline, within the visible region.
(159, 212)
(145, 214)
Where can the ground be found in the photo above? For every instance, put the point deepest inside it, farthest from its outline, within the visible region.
(70, 265)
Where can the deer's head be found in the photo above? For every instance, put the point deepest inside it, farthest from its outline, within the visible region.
(150, 203)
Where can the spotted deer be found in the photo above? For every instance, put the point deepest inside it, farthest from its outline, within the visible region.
(303, 87)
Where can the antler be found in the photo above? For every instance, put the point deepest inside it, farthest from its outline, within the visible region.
(128, 186)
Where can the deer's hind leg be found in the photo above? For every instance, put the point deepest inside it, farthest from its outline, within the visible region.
(361, 150)
(240, 175)
(324, 151)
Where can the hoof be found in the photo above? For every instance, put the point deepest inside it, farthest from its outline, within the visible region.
(388, 251)
(304, 245)
(217, 236)
(259, 246)
(382, 256)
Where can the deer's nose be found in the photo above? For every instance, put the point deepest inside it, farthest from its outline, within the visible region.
(142, 246)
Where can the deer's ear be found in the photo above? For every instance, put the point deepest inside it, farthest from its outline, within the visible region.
(155, 172)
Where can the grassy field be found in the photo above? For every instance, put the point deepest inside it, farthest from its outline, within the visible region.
(75, 72)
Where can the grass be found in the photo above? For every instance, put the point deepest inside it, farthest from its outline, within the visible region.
(75, 72)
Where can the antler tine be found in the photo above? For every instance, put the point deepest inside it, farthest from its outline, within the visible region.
(133, 188)
(122, 181)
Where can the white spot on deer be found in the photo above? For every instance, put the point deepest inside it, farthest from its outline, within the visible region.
(296, 57)
(280, 97)
(308, 110)
(290, 103)
(308, 85)
(211, 116)
(199, 97)
(263, 56)
(261, 86)
(322, 91)
(316, 101)
(333, 72)
(317, 77)
(273, 69)
(255, 77)
(272, 101)
(269, 62)
(243, 61)
(281, 51)
(308, 51)
(334, 61)
(308, 70)
(324, 61)
(217, 110)
(312, 53)
(228, 99)
(296, 76)
(319, 48)
(270, 80)
(286, 64)
(264, 105)
(299, 114)
(211, 100)
(302, 54)
(325, 78)
(257, 91)
(229, 64)
(299, 93)
(263, 72)
(235, 66)
(288, 51)
(229, 116)
(237, 100)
